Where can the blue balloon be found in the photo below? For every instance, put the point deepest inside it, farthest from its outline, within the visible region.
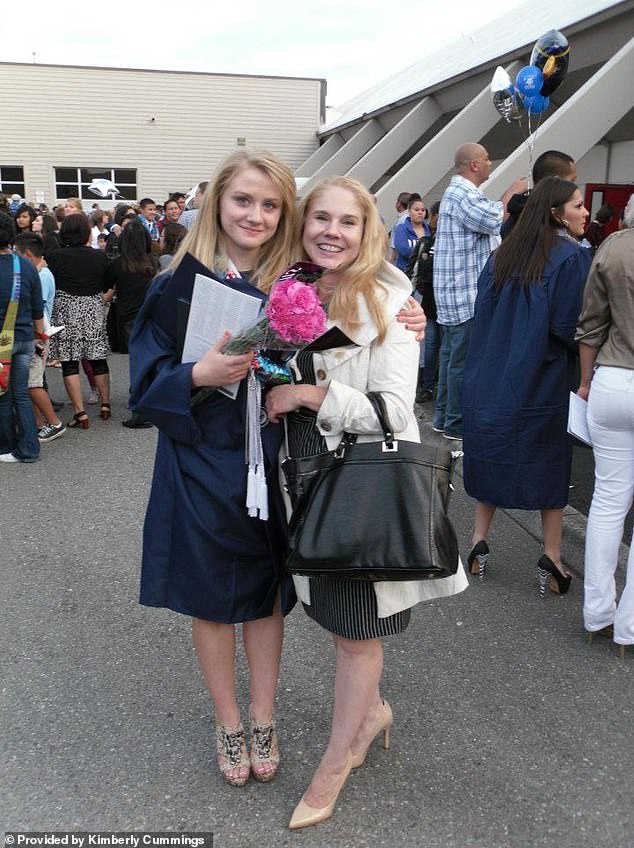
(536, 104)
(529, 81)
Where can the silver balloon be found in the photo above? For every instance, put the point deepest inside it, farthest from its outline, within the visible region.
(190, 196)
(506, 104)
(104, 188)
(505, 96)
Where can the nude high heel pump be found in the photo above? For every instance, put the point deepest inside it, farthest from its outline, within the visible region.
(383, 723)
(305, 815)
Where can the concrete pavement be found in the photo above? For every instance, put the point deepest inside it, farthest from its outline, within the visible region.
(511, 731)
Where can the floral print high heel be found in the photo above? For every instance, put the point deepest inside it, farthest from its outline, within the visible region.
(265, 754)
(231, 749)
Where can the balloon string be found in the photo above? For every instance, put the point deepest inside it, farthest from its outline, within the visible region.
(530, 143)
(539, 120)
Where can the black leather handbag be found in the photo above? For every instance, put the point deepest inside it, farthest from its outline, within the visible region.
(372, 511)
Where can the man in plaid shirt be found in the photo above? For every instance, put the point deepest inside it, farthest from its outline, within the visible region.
(468, 229)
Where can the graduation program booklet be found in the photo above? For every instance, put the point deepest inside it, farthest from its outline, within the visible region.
(578, 419)
(215, 307)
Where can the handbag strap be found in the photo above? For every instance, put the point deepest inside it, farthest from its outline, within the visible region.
(378, 404)
(14, 301)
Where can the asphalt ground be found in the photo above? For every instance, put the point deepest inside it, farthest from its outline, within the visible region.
(511, 730)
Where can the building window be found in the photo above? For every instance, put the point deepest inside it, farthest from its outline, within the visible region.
(12, 179)
(74, 182)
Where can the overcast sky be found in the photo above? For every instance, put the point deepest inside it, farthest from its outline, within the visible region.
(353, 44)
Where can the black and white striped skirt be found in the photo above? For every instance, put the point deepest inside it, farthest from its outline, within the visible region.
(348, 608)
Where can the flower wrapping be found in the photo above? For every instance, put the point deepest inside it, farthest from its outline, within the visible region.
(271, 369)
(293, 316)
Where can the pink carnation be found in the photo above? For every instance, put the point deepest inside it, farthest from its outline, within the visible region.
(295, 313)
(293, 317)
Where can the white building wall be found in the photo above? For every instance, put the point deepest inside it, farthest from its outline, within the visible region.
(622, 163)
(102, 117)
(592, 168)
(607, 165)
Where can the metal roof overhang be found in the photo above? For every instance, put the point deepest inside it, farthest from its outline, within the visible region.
(412, 141)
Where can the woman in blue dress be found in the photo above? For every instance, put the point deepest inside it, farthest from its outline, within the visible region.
(520, 369)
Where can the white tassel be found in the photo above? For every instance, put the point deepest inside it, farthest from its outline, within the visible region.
(251, 493)
(262, 493)
(257, 491)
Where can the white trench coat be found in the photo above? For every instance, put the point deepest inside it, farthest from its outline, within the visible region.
(390, 368)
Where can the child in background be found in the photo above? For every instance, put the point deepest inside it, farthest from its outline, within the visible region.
(31, 246)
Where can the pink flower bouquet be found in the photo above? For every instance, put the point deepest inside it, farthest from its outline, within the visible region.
(293, 316)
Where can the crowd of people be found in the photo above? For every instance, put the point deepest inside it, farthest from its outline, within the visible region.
(94, 271)
(504, 321)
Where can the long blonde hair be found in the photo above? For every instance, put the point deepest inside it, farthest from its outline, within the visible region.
(204, 240)
(361, 278)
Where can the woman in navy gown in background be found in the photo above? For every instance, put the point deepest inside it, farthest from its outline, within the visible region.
(520, 369)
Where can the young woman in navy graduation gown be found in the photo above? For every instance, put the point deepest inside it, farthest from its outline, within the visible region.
(202, 554)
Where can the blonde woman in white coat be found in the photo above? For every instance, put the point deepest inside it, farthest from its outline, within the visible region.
(339, 229)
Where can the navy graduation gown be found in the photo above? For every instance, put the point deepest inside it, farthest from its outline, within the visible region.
(520, 369)
(202, 554)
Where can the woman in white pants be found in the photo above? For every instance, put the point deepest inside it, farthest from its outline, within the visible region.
(606, 346)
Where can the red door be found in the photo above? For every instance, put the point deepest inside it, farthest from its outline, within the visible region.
(616, 194)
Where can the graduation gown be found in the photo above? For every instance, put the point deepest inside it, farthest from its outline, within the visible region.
(202, 554)
(520, 369)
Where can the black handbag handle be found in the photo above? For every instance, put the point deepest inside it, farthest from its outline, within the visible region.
(378, 404)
